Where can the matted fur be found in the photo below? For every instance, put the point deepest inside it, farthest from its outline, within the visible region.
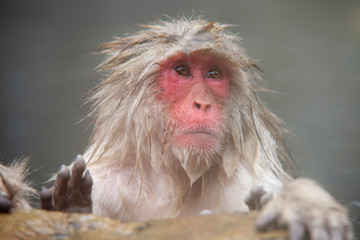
(131, 125)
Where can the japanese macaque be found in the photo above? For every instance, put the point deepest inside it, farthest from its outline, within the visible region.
(178, 129)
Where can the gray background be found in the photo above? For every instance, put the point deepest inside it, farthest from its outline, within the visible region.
(309, 50)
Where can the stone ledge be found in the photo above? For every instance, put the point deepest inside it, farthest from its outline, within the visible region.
(38, 224)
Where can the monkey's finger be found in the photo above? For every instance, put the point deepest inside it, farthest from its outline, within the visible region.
(86, 187)
(341, 229)
(253, 199)
(5, 204)
(249, 201)
(61, 188)
(347, 230)
(76, 179)
(267, 221)
(339, 233)
(258, 191)
(338, 226)
(334, 226)
(265, 199)
(318, 232)
(336, 234)
(46, 198)
(296, 230)
(348, 233)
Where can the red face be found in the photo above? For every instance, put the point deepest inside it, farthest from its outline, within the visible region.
(196, 88)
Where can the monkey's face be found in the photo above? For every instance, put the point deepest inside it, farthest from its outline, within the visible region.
(195, 88)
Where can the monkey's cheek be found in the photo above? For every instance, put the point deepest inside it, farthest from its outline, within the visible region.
(200, 141)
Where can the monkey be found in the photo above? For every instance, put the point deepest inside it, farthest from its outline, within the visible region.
(178, 129)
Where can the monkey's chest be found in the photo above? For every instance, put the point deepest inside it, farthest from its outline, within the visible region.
(132, 197)
(129, 197)
(158, 203)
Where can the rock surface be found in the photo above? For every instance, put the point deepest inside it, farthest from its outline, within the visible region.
(38, 224)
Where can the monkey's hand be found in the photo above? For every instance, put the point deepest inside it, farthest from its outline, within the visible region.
(5, 202)
(257, 198)
(14, 189)
(306, 210)
(72, 192)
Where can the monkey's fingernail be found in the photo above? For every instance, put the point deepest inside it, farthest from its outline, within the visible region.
(5, 204)
(64, 173)
(80, 160)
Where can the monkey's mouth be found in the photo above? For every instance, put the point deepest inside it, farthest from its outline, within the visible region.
(198, 139)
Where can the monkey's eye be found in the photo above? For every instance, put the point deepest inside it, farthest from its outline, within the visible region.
(182, 70)
(213, 73)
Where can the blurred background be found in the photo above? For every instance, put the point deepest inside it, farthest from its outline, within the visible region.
(309, 51)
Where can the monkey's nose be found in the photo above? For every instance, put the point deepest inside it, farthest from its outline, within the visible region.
(202, 106)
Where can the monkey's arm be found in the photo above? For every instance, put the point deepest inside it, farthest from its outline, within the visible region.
(305, 208)
(72, 192)
(14, 190)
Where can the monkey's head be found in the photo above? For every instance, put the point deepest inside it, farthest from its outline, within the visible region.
(182, 91)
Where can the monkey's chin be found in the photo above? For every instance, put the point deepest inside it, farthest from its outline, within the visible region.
(198, 141)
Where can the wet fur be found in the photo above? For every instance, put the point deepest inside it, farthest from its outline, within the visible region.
(131, 127)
